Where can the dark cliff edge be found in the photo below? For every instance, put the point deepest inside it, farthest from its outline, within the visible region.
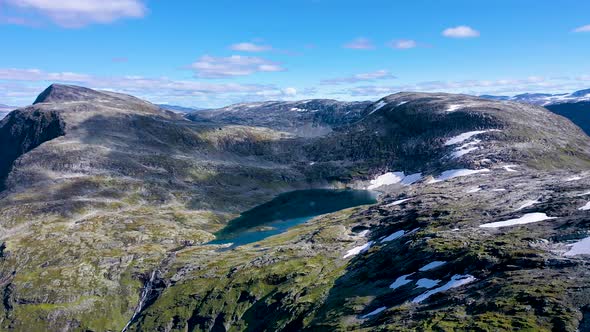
(578, 113)
(22, 131)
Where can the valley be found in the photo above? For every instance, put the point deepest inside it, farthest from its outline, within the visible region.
(118, 215)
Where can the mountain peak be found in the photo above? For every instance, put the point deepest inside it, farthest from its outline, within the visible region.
(64, 93)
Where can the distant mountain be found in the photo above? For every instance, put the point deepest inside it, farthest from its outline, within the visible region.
(544, 99)
(307, 118)
(5, 109)
(179, 109)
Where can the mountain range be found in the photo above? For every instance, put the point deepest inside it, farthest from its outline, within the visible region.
(179, 109)
(109, 205)
(544, 99)
(574, 106)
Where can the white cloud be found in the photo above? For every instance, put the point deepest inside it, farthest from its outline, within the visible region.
(475, 87)
(77, 13)
(584, 28)
(371, 76)
(289, 91)
(14, 74)
(235, 65)
(20, 86)
(250, 47)
(360, 44)
(461, 31)
(403, 44)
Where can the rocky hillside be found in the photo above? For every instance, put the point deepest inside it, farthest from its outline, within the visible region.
(109, 202)
(306, 118)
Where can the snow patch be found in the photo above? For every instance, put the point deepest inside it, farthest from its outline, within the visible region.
(473, 190)
(465, 149)
(585, 207)
(573, 178)
(379, 105)
(364, 233)
(528, 203)
(398, 202)
(461, 152)
(426, 283)
(412, 178)
(431, 266)
(453, 108)
(454, 173)
(357, 250)
(526, 219)
(390, 178)
(296, 109)
(465, 136)
(510, 168)
(400, 281)
(583, 194)
(386, 179)
(394, 236)
(374, 312)
(581, 247)
(413, 231)
(457, 280)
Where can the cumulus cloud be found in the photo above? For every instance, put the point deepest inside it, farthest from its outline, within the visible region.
(403, 44)
(235, 65)
(371, 76)
(77, 13)
(360, 44)
(584, 28)
(250, 47)
(461, 31)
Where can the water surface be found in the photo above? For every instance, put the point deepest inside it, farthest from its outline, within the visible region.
(288, 210)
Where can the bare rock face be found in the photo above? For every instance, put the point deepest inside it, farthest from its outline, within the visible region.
(110, 201)
(23, 131)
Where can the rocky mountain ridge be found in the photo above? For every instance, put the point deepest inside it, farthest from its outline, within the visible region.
(104, 225)
(307, 118)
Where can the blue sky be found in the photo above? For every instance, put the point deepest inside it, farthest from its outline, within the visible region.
(214, 53)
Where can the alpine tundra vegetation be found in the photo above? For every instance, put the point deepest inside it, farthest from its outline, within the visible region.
(111, 203)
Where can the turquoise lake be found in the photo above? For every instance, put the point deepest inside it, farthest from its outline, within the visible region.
(288, 210)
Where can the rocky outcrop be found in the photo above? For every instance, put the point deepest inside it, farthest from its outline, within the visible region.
(23, 131)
